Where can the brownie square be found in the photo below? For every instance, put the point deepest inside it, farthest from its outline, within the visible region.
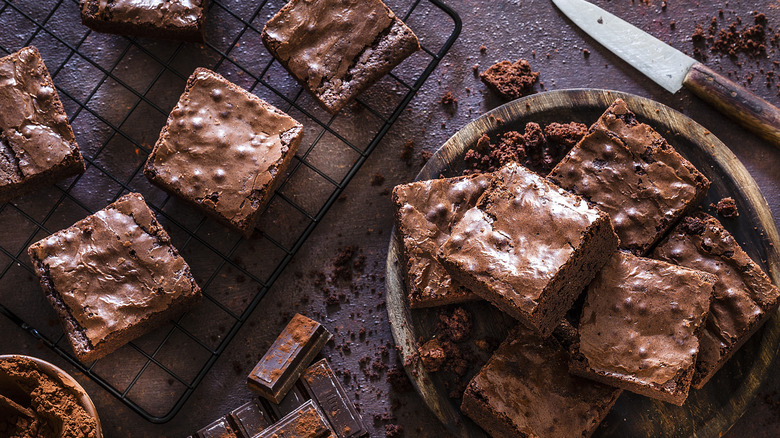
(425, 212)
(744, 296)
(168, 19)
(640, 326)
(37, 146)
(525, 390)
(529, 247)
(223, 150)
(632, 173)
(113, 276)
(338, 48)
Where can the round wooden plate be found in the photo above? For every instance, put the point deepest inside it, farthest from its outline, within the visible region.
(708, 412)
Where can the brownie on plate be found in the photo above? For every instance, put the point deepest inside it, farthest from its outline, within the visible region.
(744, 296)
(525, 390)
(640, 326)
(113, 276)
(425, 212)
(170, 19)
(529, 247)
(338, 48)
(37, 146)
(632, 173)
(223, 150)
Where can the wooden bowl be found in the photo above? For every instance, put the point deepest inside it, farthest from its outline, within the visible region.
(58, 375)
(708, 412)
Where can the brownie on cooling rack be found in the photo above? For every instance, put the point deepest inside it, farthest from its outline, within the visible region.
(525, 389)
(223, 150)
(640, 326)
(529, 247)
(338, 48)
(37, 146)
(631, 172)
(113, 276)
(168, 19)
(744, 297)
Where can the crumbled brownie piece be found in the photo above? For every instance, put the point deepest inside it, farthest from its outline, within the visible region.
(456, 326)
(510, 80)
(489, 157)
(394, 431)
(432, 355)
(565, 134)
(727, 208)
(448, 99)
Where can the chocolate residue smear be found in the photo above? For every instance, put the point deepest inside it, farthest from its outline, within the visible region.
(32, 405)
(538, 149)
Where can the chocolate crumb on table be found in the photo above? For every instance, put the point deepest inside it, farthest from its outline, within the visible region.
(529, 247)
(223, 150)
(526, 390)
(291, 352)
(112, 277)
(37, 145)
(640, 326)
(630, 171)
(510, 80)
(727, 207)
(338, 48)
(744, 297)
(407, 152)
(170, 19)
(448, 99)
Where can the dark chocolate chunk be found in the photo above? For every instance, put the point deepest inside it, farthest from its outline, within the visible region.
(289, 355)
(249, 419)
(295, 397)
(305, 422)
(325, 388)
(218, 429)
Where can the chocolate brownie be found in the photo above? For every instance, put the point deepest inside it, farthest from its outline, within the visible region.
(510, 80)
(640, 326)
(425, 212)
(223, 150)
(628, 170)
(529, 247)
(170, 19)
(37, 146)
(744, 296)
(338, 48)
(525, 390)
(113, 276)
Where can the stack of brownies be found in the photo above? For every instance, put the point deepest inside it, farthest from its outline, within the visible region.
(668, 293)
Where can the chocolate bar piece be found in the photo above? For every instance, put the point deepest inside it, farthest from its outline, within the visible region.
(218, 429)
(249, 419)
(289, 355)
(293, 400)
(326, 390)
(305, 422)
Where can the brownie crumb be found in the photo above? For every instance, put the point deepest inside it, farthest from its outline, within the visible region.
(489, 157)
(693, 225)
(425, 156)
(407, 152)
(510, 80)
(456, 326)
(448, 99)
(482, 49)
(750, 40)
(585, 53)
(432, 355)
(342, 264)
(398, 380)
(566, 135)
(377, 180)
(727, 208)
(394, 430)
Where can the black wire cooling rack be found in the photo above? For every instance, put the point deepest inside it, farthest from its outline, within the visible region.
(118, 92)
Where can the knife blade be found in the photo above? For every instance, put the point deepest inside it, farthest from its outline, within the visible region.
(672, 69)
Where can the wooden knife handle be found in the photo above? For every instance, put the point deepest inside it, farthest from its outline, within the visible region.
(740, 104)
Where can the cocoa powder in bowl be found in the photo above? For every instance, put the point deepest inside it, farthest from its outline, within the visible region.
(35, 403)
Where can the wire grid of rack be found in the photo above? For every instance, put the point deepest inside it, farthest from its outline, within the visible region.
(118, 92)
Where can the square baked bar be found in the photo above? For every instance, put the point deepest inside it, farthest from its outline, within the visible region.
(112, 277)
(425, 212)
(628, 170)
(223, 150)
(37, 146)
(168, 19)
(640, 326)
(529, 247)
(338, 48)
(744, 297)
(525, 390)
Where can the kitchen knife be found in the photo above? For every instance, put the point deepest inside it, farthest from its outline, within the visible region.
(672, 69)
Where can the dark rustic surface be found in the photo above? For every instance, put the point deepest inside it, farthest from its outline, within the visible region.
(508, 29)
